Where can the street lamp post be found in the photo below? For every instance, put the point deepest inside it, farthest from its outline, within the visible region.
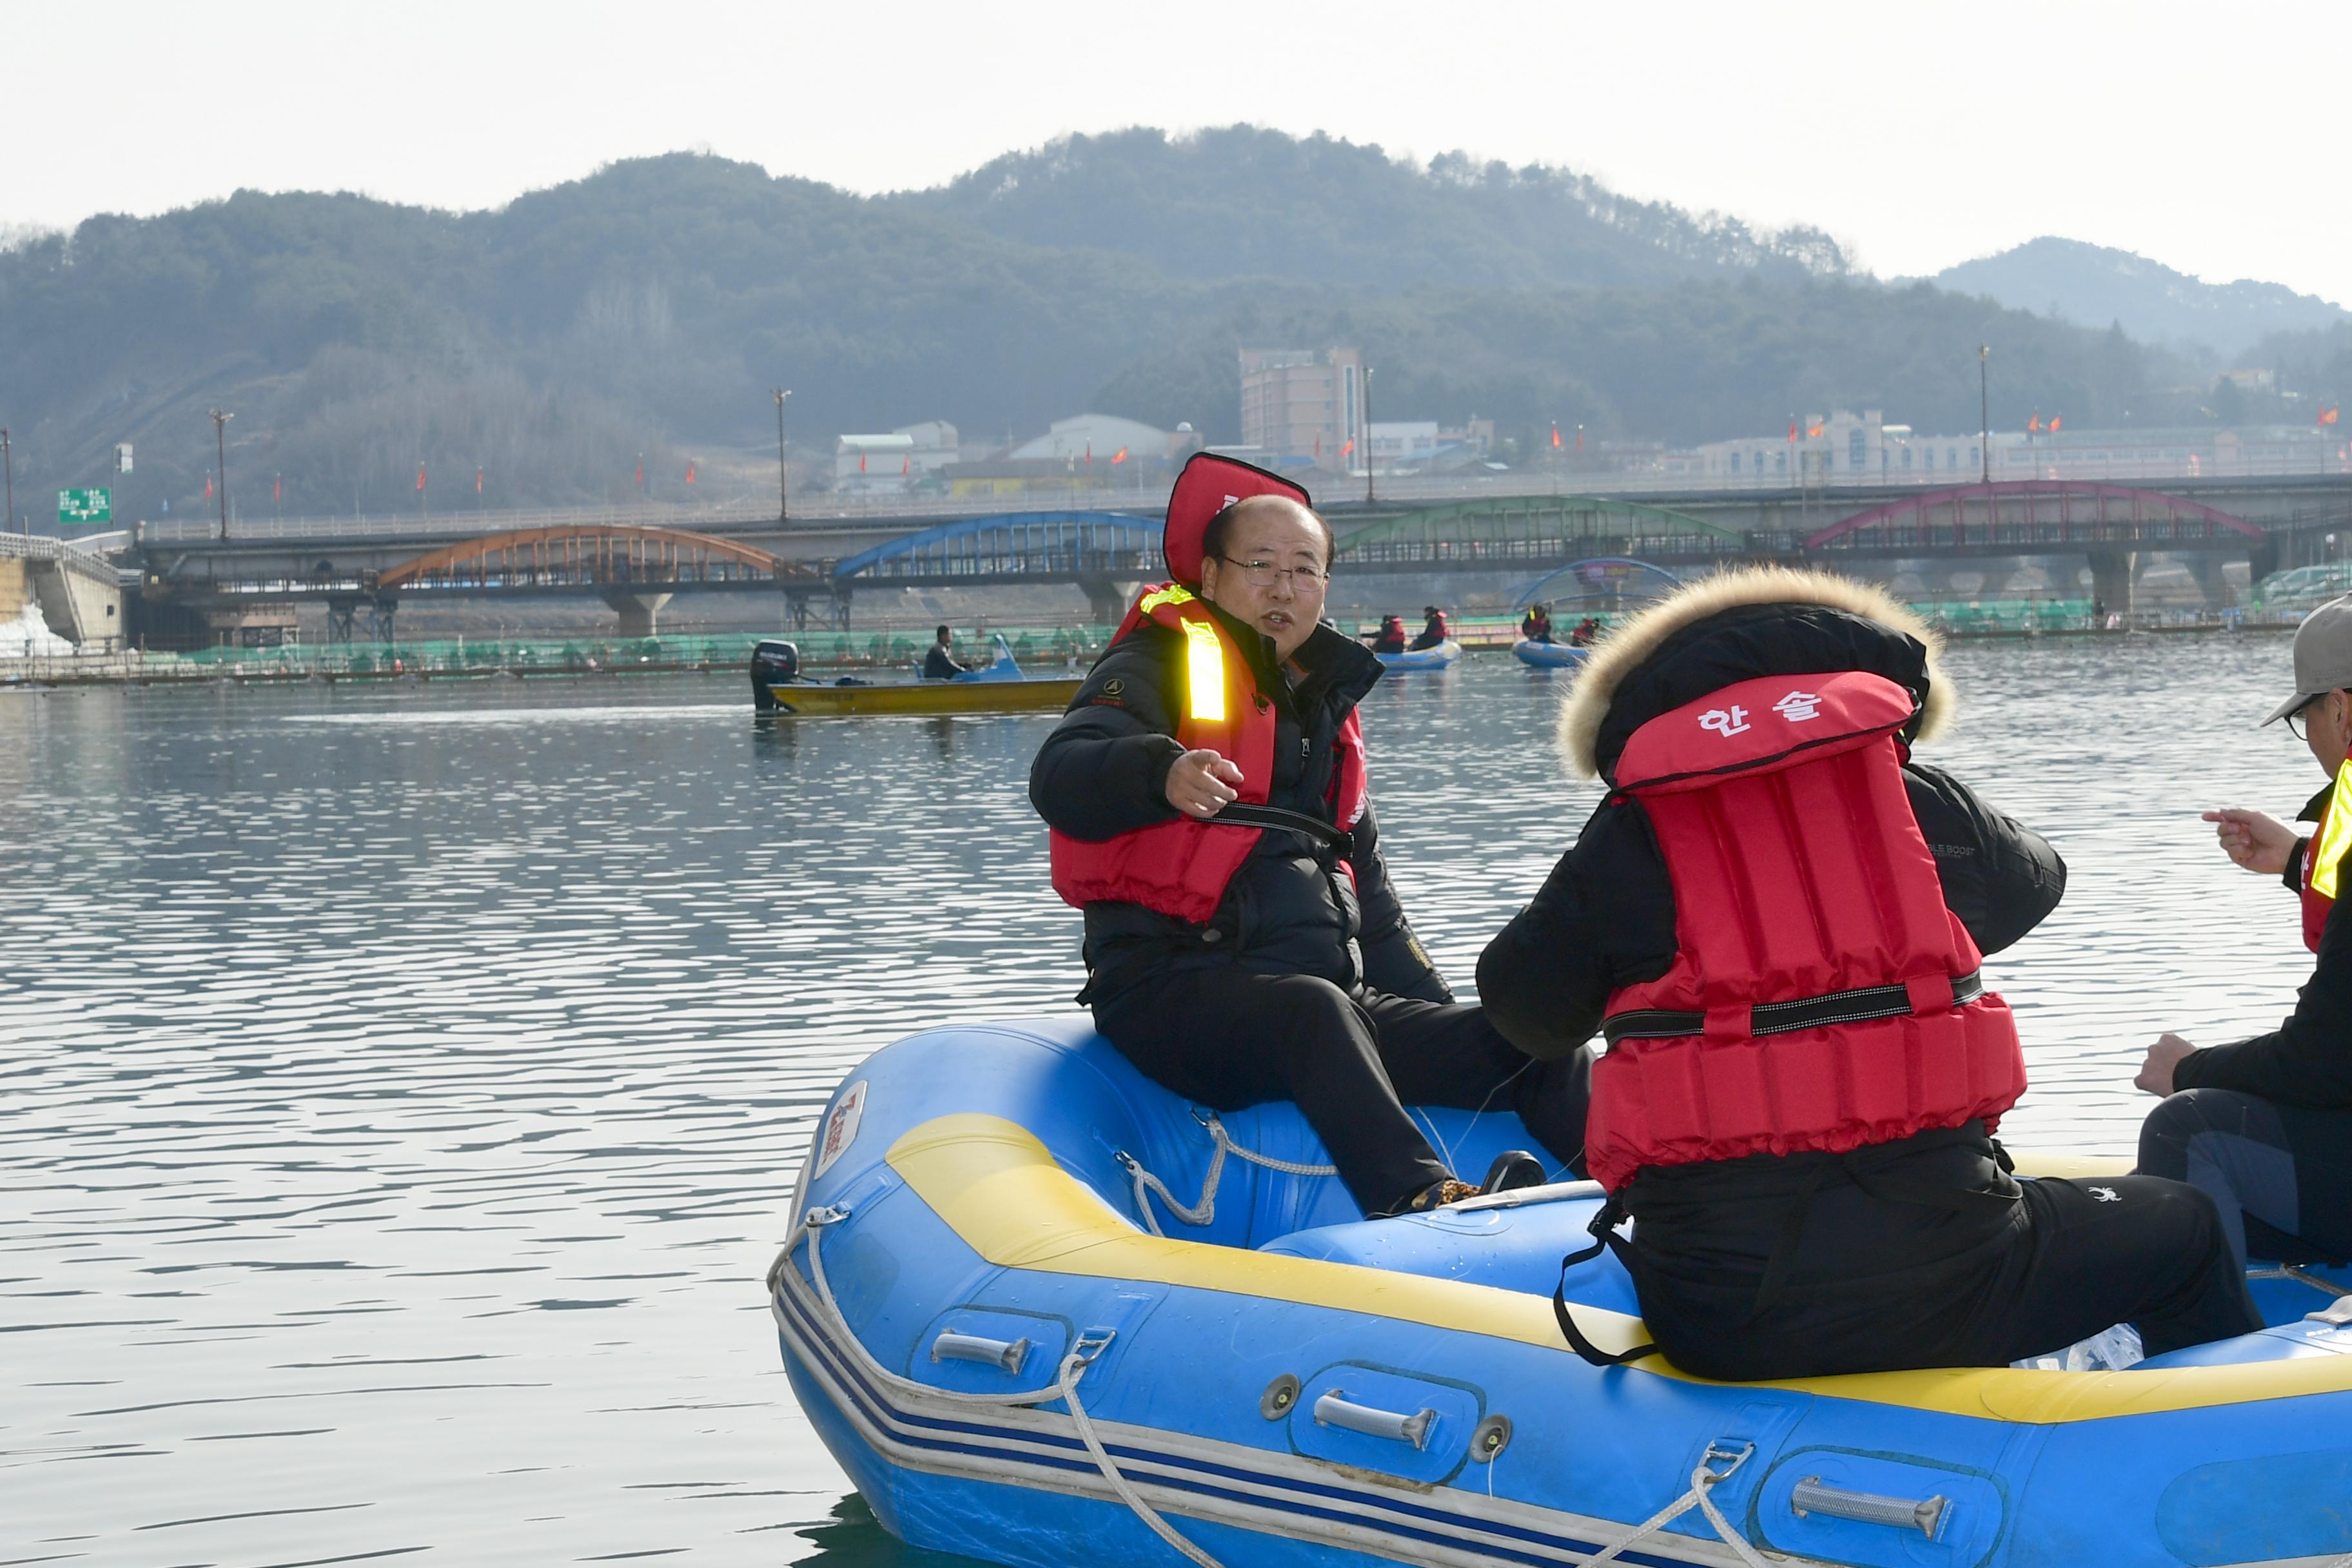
(220, 451)
(8, 461)
(1984, 411)
(1367, 434)
(783, 503)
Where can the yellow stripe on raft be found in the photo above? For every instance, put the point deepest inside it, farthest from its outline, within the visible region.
(998, 1188)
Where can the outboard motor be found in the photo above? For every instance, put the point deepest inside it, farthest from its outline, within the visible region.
(772, 663)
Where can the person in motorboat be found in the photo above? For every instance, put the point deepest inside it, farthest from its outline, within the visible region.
(1434, 631)
(1207, 793)
(1391, 637)
(939, 662)
(2265, 1126)
(1776, 917)
(1536, 624)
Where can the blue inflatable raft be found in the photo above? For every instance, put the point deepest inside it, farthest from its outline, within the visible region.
(1549, 655)
(1443, 656)
(985, 1324)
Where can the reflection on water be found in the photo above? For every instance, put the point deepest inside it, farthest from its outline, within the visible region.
(405, 1084)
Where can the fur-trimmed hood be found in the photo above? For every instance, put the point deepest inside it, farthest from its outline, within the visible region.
(1770, 620)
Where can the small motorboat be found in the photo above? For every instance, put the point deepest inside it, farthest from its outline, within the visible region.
(778, 687)
(1043, 1312)
(1444, 656)
(1549, 655)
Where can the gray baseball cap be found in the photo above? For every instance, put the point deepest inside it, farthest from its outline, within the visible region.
(2323, 655)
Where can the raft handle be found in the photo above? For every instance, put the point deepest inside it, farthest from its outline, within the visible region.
(1868, 1507)
(1006, 1354)
(1334, 1409)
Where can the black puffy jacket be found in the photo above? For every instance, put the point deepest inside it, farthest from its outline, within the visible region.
(1290, 909)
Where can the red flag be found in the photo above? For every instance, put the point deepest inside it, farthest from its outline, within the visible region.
(1555, 435)
(1319, 448)
(278, 487)
(1119, 456)
(905, 466)
(690, 470)
(420, 476)
(861, 462)
(2054, 424)
(2328, 414)
(1814, 429)
(1090, 454)
(209, 484)
(1345, 452)
(2035, 424)
(1580, 437)
(641, 473)
(477, 481)
(1793, 427)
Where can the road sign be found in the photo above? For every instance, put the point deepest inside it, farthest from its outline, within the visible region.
(123, 457)
(85, 506)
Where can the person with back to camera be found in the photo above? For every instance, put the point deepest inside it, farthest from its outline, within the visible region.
(1776, 916)
(2265, 1126)
(1536, 624)
(1391, 637)
(1434, 630)
(939, 662)
(1206, 792)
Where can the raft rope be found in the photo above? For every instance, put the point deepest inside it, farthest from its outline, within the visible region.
(1702, 1480)
(1201, 1213)
(1065, 1386)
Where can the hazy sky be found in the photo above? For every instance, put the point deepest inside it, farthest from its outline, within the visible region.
(2211, 138)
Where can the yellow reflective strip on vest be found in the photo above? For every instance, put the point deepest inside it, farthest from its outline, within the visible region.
(2335, 837)
(1205, 667)
(1174, 593)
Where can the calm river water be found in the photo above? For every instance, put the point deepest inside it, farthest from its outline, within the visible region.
(403, 1084)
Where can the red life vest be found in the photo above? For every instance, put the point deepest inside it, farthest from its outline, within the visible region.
(1822, 996)
(1182, 867)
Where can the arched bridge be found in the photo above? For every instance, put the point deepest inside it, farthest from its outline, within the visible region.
(1101, 551)
(1532, 531)
(593, 557)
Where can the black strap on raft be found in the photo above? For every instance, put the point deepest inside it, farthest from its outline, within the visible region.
(1604, 1234)
(1855, 1007)
(1240, 815)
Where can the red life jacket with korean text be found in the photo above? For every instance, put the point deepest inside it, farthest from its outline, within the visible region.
(1182, 867)
(1822, 995)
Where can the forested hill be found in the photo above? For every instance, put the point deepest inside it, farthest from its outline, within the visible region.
(648, 308)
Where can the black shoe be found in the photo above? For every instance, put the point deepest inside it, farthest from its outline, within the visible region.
(1513, 1168)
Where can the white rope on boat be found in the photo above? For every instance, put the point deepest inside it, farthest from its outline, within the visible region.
(1702, 1480)
(1204, 1211)
(1065, 1386)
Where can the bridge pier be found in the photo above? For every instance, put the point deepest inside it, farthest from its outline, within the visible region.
(639, 610)
(2211, 585)
(2112, 571)
(1106, 597)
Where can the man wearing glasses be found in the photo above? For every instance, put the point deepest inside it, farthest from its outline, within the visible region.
(1207, 793)
(2265, 1126)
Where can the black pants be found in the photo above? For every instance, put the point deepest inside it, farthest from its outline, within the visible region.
(1228, 1037)
(2281, 1174)
(1873, 1282)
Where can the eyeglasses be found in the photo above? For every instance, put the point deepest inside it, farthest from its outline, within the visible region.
(2298, 723)
(1262, 573)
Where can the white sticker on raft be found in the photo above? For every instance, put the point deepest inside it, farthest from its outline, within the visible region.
(840, 1128)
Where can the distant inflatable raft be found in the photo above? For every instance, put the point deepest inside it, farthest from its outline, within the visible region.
(985, 1325)
(1549, 655)
(1443, 656)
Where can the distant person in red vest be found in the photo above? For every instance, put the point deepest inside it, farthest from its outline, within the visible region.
(1432, 629)
(1391, 636)
(1536, 624)
(1776, 917)
(1585, 631)
(1207, 795)
(2265, 1126)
